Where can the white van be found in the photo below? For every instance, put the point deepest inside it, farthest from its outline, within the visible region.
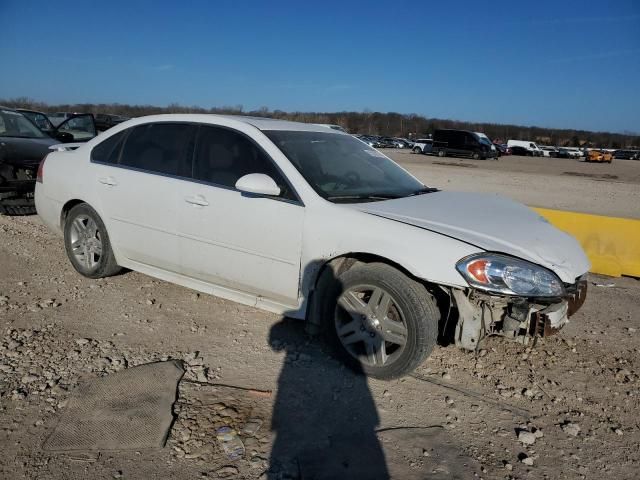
(531, 147)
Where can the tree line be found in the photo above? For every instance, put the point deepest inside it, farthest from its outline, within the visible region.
(367, 122)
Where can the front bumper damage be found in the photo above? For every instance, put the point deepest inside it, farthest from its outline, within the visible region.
(519, 319)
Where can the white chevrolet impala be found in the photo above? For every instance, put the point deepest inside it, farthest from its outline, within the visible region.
(312, 223)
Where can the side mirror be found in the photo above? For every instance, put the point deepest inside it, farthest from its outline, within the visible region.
(258, 183)
(64, 137)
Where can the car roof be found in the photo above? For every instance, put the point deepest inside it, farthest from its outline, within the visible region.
(261, 123)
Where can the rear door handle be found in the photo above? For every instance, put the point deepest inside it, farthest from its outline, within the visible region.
(108, 181)
(196, 200)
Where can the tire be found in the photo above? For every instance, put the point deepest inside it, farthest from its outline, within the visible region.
(475, 156)
(410, 322)
(442, 153)
(417, 150)
(84, 227)
(17, 209)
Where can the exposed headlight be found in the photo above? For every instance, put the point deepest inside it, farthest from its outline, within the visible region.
(510, 276)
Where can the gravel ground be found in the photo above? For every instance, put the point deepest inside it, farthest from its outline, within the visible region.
(567, 408)
(561, 183)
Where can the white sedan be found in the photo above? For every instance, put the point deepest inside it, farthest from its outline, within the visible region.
(314, 224)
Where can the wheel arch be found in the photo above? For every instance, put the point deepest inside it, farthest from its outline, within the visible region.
(66, 208)
(324, 272)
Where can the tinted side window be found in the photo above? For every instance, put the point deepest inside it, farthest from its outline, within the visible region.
(108, 151)
(160, 147)
(223, 156)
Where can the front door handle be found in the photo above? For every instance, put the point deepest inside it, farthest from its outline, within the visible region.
(110, 181)
(196, 200)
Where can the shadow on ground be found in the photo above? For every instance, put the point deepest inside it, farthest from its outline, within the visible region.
(324, 416)
(327, 425)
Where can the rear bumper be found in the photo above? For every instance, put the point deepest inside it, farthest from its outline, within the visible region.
(49, 210)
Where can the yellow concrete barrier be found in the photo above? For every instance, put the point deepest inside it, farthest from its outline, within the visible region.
(611, 243)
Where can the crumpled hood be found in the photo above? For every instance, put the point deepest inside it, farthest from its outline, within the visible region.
(490, 222)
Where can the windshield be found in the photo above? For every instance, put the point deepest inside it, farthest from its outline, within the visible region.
(41, 121)
(14, 124)
(343, 169)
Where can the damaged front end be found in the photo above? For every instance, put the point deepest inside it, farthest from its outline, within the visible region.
(518, 318)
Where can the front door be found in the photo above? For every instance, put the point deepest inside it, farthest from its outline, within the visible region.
(246, 243)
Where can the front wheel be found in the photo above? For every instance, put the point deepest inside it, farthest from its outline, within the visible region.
(442, 153)
(381, 322)
(417, 150)
(475, 156)
(87, 243)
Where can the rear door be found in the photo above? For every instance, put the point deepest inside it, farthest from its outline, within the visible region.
(81, 127)
(244, 242)
(138, 183)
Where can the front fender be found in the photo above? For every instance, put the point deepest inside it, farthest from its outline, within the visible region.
(336, 231)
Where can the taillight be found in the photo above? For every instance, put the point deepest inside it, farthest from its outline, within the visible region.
(39, 175)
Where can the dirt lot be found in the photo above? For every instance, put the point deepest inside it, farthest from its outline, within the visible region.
(565, 184)
(567, 408)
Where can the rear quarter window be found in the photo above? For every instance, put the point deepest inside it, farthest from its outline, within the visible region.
(108, 151)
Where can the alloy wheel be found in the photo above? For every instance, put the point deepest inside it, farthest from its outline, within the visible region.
(370, 325)
(86, 244)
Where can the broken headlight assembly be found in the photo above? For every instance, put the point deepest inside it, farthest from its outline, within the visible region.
(506, 275)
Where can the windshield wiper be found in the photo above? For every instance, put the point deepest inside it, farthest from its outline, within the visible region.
(422, 191)
(19, 136)
(365, 196)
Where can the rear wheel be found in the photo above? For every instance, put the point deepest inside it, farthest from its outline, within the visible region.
(380, 321)
(87, 243)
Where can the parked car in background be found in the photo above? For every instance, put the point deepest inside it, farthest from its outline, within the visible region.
(532, 149)
(388, 142)
(22, 146)
(574, 152)
(105, 121)
(78, 127)
(400, 142)
(521, 151)
(600, 156)
(357, 246)
(422, 145)
(482, 136)
(449, 142)
(407, 143)
(371, 141)
(503, 149)
(627, 154)
(564, 153)
(548, 151)
(58, 117)
(40, 119)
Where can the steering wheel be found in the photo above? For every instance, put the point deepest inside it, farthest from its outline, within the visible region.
(342, 182)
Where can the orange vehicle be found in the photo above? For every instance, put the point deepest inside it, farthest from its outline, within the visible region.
(601, 156)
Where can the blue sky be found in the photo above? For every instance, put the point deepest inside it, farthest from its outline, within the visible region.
(563, 64)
